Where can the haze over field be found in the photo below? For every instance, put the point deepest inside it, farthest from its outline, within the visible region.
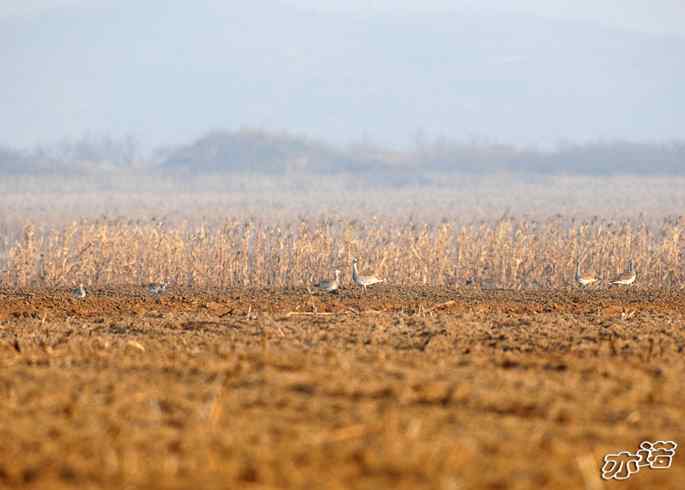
(296, 103)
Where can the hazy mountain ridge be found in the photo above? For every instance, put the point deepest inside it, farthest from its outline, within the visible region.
(264, 153)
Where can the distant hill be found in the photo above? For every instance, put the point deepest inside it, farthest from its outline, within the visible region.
(167, 70)
(267, 153)
(264, 153)
(261, 152)
(256, 151)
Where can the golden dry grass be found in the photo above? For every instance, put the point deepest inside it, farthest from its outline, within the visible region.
(504, 253)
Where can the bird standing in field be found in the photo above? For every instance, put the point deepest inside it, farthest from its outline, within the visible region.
(363, 281)
(79, 292)
(584, 279)
(626, 278)
(329, 286)
(156, 289)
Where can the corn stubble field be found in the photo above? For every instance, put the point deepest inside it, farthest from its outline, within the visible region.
(506, 253)
(478, 363)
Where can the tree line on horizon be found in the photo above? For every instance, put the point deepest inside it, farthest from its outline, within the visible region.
(260, 152)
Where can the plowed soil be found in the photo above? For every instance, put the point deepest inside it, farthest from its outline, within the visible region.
(397, 388)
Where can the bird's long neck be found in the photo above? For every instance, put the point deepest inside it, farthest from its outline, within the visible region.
(355, 274)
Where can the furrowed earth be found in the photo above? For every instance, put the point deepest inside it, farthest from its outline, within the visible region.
(397, 388)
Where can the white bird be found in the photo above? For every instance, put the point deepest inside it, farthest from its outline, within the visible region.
(628, 277)
(363, 281)
(584, 279)
(157, 289)
(79, 292)
(329, 286)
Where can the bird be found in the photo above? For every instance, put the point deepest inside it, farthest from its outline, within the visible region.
(363, 281)
(482, 279)
(329, 286)
(156, 289)
(584, 279)
(79, 292)
(626, 278)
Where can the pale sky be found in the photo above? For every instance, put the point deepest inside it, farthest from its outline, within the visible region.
(654, 16)
(168, 75)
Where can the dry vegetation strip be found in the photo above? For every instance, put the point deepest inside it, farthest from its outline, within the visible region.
(400, 388)
(507, 253)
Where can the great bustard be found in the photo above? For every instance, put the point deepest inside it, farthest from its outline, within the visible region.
(156, 289)
(628, 277)
(363, 281)
(329, 286)
(584, 278)
(79, 292)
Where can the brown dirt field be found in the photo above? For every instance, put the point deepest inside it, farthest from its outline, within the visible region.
(398, 388)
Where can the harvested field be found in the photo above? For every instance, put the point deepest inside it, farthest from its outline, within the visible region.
(400, 388)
